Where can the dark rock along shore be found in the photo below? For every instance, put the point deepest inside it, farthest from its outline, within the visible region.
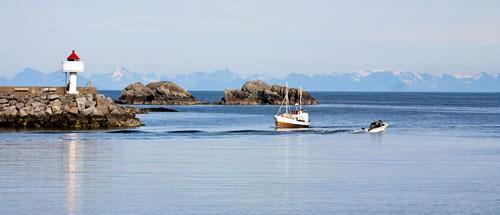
(143, 110)
(258, 93)
(64, 112)
(156, 93)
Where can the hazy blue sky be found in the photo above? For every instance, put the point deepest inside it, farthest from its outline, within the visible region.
(276, 37)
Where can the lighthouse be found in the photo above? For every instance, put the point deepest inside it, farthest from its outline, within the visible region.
(71, 67)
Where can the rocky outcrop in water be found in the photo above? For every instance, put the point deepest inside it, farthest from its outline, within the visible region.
(259, 93)
(64, 112)
(147, 110)
(156, 93)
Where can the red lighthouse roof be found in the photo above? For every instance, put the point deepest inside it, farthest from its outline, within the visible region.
(73, 57)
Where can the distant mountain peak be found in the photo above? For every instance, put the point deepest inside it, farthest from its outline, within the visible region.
(224, 73)
(121, 72)
(29, 70)
(117, 74)
(260, 76)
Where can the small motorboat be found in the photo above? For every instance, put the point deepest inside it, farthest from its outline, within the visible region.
(297, 118)
(377, 126)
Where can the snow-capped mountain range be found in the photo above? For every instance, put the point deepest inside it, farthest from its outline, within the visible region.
(371, 80)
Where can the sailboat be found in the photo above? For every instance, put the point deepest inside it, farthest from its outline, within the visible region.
(297, 118)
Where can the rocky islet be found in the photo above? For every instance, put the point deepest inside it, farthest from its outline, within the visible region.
(156, 93)
(260, 93)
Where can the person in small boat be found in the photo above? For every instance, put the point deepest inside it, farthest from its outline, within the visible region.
(376, 124)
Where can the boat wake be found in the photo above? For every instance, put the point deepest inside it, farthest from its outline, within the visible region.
(127, 131)
(245, 132)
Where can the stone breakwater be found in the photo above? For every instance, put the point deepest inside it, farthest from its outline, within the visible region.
(90, 111)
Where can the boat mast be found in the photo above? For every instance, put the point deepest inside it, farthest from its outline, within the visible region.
(286, 98)
(300, 98)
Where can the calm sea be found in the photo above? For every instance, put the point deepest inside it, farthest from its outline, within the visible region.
(440, 155)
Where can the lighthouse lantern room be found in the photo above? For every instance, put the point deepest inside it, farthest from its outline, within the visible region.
(71, 67)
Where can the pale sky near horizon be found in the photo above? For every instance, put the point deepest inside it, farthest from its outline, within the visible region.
(260, 36)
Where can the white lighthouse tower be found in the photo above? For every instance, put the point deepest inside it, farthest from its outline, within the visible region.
(71, 67)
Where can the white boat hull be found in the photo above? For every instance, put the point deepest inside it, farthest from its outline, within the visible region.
(378, 129)
(285, 122)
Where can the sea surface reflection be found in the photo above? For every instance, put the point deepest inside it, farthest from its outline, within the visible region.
(69, 173)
